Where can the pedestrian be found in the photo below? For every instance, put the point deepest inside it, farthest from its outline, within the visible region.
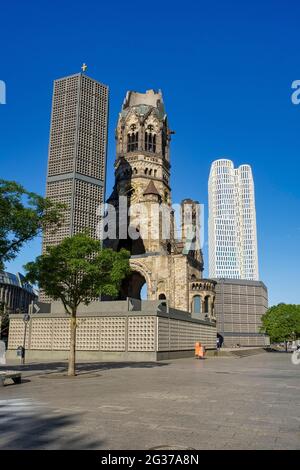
(219, 341)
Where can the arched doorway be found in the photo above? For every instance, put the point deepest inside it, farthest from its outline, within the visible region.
(144, 292)
(134, 286)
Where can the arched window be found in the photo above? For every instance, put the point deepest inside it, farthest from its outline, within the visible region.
(146, 171)
(150, 141)
(132, 141)
(162, 297)
(197, 305)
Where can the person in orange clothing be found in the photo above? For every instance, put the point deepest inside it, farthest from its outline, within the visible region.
(199, 351)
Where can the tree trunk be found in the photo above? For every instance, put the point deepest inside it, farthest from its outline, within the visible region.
(71, 369)
(285, 346)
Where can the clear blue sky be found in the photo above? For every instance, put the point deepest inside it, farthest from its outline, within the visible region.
(225, 69)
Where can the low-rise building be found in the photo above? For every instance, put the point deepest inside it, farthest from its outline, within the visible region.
(239, 306)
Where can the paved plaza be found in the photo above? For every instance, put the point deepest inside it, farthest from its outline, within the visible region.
(219, 403)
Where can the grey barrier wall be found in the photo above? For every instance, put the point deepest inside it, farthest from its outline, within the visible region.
(115, 331)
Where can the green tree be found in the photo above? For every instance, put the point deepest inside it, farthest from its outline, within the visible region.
(4, 320)
(75, 271)
(23, 216)
(282, 322)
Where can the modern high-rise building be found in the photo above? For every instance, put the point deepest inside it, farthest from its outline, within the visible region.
(77, 154)
(232, 222)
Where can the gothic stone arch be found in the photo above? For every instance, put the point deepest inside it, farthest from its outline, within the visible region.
(142, 269)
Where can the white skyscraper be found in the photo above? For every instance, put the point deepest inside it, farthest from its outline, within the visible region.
(232, 222)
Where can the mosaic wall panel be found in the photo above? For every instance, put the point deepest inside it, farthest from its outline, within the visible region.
(247, 340)
(109, 334)
(178, 335)
(112, 334)
(208, 336)
(186, 338)
(16, 334)
(141, 333)
(41, 334)
(163, 334)
(61, 334)
(175, 333)
(88, 334)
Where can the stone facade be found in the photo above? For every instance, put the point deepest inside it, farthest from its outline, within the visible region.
(162, 255)
(114, 330)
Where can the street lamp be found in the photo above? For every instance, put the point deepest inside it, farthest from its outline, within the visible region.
(26, 320)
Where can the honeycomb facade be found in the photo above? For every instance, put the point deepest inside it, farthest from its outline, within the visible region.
(77, 155)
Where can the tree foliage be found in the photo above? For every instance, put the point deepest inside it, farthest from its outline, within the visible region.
(23, 215)
(282, 322)
(4, 320)
(76, 271)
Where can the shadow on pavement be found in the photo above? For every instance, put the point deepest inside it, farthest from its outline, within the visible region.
(26, 425)
(274, 350)
(83, 367)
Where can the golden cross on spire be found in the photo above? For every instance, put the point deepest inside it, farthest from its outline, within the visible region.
(84, 67)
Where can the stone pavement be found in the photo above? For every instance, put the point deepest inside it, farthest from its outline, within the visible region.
(219, 403)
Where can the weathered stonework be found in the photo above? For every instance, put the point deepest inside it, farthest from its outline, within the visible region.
(168, 265)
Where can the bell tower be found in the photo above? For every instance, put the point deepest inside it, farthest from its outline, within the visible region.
(162, 256)
(142, 170)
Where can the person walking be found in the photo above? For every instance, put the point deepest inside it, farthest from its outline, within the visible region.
(219, 341)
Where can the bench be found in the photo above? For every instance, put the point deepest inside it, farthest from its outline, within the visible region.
(10, 374)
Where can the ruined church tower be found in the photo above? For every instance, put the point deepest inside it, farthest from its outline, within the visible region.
(160, 254)
(142, 168)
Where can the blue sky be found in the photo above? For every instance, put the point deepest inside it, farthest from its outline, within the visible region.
(225, 69)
